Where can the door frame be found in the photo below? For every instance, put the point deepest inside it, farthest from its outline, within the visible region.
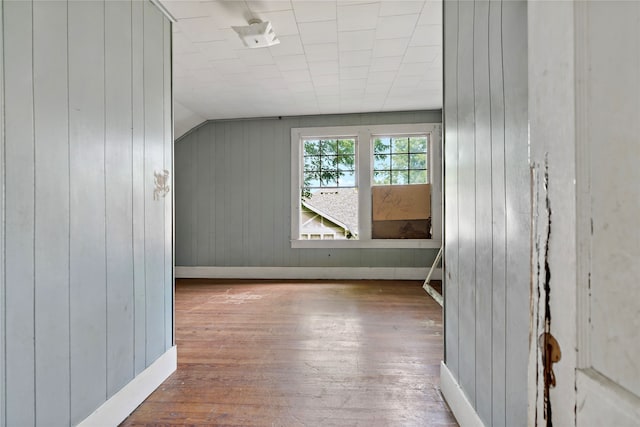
(559, 100)
(552, 133)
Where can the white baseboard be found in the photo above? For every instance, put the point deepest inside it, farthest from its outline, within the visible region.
(123, 403)
(457, 400)
(314, 273)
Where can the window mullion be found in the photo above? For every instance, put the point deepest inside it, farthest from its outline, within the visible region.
(365, 163)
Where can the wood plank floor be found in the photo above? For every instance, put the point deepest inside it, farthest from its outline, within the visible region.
(267, 353)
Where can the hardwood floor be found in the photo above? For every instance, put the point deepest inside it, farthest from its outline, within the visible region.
(274, 353)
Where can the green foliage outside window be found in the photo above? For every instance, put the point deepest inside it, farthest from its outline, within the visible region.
(328, 163)
(400, 160)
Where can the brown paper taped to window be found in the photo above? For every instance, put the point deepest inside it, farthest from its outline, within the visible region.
(401, 202)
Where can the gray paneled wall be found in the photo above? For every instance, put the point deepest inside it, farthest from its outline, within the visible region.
(88, 281)
(233, 197)
(487, 206)
(2, 233)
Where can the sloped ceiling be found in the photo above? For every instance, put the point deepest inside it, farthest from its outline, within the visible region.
(334, 57)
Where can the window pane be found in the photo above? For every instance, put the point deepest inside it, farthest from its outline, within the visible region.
(329, 146)
(312, 179)
(418, 161)
(418, 177)
(347, 179)
(311, 163)
(381, 162)
(418, 144)
(399, 161)
(382, 177)
(346, 146)
(329, 163)
(311, 146)
(328, 179)
(382, 146)
(346, 162)
(400, 177)
(400, 145)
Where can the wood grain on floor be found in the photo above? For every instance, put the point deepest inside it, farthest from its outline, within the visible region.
(273, 353)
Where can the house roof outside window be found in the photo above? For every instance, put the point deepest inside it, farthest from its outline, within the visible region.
(339, 205)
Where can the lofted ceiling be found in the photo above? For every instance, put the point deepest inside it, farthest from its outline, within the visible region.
(333, 57)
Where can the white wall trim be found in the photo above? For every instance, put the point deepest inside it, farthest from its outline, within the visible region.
(123, 403)
(457, 400)
(332, 273)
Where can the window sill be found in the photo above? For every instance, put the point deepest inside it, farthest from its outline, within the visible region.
(370, 244)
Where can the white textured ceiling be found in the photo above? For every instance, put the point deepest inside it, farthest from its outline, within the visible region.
(334, 57)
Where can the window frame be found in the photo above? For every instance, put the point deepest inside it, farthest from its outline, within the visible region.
(364, 182)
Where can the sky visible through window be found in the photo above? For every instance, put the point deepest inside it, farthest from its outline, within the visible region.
(329, 163)
(400, 160)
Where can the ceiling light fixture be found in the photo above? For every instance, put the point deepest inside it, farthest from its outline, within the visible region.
(257, 34)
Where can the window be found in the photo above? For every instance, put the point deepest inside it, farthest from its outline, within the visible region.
(329, 195)
(400, 160)
(336, 170)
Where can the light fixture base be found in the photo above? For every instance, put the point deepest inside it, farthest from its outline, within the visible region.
(257, 34)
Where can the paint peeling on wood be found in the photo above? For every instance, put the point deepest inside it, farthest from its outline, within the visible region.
(549, 348)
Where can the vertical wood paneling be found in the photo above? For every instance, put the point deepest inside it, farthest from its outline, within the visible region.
(467, 199)
(451, 281)
(254, 141)
(119, 209)
(3, 308)
(234, 192)
(498, 345)
(181, 187)
(137, 186)
(19, 218)
(486, 332)
(154, 163)
(246, 213)
(518, 213)
(193, 211)
(218, 138)
(211, 155)
(72, 92)
(282, 200)
(52, 213)
(484, 220)
(202, 203)
(266, 200)
(87, 208)
(168, 200)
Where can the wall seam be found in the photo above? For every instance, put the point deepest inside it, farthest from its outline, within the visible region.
(504, 172)
(144, 189)
(104, 163)
(458, 184)
(164, 213)
(475, 213)
(33, 133)
(133, 236)
(69, 208)
(3, 331)
(491, 199)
